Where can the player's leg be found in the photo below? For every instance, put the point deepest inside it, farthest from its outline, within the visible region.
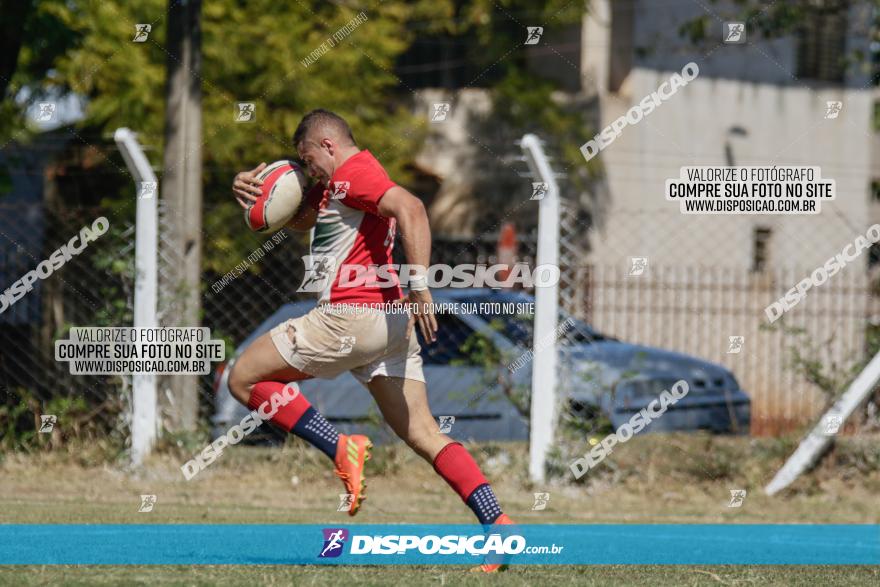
(276, 358)
(404, 404)
(259, 373)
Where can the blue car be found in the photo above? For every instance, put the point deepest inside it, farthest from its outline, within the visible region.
(598, 375)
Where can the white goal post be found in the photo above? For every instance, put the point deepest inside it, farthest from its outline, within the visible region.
(543, 396)
(144, 415)
(813, 446)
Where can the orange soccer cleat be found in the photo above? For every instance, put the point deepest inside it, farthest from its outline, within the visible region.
(352, 452)
(503, 520)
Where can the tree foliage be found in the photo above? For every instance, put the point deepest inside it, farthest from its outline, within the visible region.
(253, 51)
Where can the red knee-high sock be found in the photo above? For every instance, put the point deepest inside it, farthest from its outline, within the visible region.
(287, 415)
(456, 465)
(297, 415)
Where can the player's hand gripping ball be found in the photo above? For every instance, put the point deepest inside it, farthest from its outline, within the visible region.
(282, 193)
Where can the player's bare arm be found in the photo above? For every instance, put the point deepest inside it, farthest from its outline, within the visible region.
(304, 219)
(412, 222)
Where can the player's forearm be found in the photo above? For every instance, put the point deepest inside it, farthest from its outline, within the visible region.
(307, 215)
(304, 219)
(415, 233)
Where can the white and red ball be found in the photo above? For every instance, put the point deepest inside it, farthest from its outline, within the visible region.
(282, 193)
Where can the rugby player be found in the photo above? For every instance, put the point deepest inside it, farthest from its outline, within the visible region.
(355, 210)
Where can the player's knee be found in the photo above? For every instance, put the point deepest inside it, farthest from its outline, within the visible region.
(420, 439)
(239, 385)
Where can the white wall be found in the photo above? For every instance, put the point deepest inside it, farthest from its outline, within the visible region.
(785, 126)
(749, 86)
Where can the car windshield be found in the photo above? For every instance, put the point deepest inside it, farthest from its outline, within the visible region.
(519, 327)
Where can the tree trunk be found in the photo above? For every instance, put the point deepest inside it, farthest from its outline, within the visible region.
(182, 197)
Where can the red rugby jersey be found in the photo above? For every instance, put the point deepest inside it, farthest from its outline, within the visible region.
(351, 236)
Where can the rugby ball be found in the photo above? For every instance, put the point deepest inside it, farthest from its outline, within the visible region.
(282, 192)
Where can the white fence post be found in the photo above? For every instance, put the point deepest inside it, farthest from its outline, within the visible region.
(144, 417)
(543, 397)
(814, 445)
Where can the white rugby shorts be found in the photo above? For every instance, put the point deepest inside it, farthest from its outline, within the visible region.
(330, 340)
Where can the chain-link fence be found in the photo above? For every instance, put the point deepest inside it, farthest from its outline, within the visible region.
(700, 285)
(57, 276)
(716, 312)
(95, 288)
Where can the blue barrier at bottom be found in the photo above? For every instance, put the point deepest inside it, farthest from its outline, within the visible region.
(233, 544)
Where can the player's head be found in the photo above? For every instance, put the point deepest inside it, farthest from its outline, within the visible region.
(323, 140)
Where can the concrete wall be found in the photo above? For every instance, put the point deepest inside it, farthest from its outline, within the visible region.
(749, 87)
(784, 126)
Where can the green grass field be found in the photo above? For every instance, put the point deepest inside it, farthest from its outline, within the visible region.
(684, 479)
(441, 575)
